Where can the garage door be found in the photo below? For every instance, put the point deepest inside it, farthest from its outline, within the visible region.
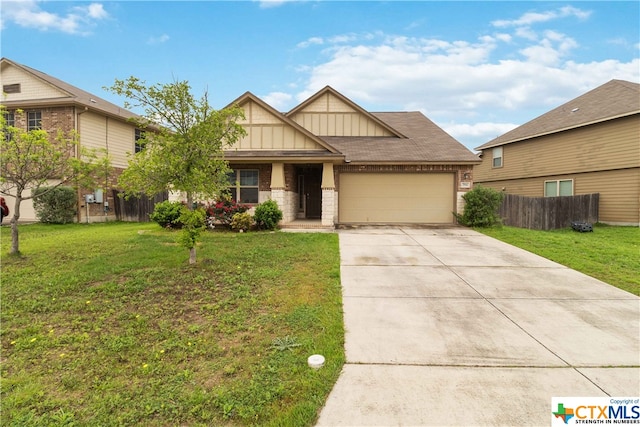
(396, 198)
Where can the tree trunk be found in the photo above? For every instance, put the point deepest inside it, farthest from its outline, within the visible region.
(15, 242)
(192, 255)
(192, 251)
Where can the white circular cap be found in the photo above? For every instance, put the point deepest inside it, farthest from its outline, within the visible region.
(316, 361)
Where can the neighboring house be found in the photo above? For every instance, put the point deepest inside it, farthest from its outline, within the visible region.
(51, 104)
(591, 144)
(330, 160)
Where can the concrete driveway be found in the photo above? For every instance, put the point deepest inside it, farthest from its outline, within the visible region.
(451, 327)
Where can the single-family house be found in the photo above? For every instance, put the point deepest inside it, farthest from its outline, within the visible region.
(327, 160)
(51, 104)
(331, 161)
(590, 144)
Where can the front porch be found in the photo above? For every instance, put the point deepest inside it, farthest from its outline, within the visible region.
(305, 192)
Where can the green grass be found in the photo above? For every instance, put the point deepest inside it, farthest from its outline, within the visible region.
(610, 254)
(107, 324)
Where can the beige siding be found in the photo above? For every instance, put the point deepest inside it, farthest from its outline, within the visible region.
(93, 130)
(340, 124)
(100, 132)
(396, 198)
(330, 116)
(30, 86)
(610, 145)
(121, 142)
(619, 191)
(266, 131)
(328, 102)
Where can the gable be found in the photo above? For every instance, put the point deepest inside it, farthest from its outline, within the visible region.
(327, 114)
(31, 87)
(267, 130)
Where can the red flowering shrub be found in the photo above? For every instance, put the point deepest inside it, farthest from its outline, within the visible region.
(223, 210)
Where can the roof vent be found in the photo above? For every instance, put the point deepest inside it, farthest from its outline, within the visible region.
(575, 109)
(92, 100)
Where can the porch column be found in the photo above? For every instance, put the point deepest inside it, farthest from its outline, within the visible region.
(278, 189)
(328, 195)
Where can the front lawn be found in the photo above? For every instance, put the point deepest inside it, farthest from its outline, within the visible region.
(611, 254)
(107, 324)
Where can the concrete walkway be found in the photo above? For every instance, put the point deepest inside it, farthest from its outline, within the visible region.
(450, 327)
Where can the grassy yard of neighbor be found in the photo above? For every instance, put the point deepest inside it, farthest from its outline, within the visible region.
(107, 325)
(610, 254)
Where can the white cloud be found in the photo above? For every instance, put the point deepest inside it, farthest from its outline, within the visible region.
(278, 100)
(484, 131)
(310, 42)
(462, 83)
(265, 4)
(96, 11)
(532, 18)
(29, 14)
(157, 40)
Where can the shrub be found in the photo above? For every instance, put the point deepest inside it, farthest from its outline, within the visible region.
(223, 210)
(167, 214)
(242, 221)
(55, 205)
(481, 207)
(268, 215)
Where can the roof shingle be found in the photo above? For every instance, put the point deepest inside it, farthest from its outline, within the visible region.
(425, 143)
(617, 98)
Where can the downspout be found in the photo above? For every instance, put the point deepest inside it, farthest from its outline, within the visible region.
(105, 196)
(78, 155)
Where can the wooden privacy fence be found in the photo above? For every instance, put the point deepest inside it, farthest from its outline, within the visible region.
(136, 209)
(548, 213)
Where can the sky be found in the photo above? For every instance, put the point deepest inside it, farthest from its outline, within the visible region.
(477, 68)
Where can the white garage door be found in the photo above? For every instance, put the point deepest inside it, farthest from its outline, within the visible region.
(426, 198)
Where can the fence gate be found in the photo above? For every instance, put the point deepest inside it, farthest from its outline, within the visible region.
(136, 209)
(548, 213)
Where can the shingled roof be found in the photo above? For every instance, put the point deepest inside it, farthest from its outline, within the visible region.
(615, 99)
(425, 142)
(72, 95)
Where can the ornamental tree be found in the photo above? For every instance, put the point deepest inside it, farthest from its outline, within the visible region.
(33, 159)
(183, 144)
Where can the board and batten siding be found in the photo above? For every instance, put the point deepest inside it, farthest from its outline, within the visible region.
(30, 87)
(605, 146)
(265, 131)
(330, 116)
(619, 190)
(101, 132)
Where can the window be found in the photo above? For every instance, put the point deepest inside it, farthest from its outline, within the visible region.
(497, 157)
(558, 188)
(243, 185)
(9, 121)
(139, 145)
(14, 88)
(34, 120)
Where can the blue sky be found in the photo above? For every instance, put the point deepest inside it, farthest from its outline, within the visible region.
(477, 69)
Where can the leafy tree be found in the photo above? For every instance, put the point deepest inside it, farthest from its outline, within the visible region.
(32, 159)
(183, 151)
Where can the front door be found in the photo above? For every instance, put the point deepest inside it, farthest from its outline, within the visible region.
(310, 182)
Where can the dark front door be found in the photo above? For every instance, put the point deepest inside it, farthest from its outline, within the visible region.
(312, 191)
